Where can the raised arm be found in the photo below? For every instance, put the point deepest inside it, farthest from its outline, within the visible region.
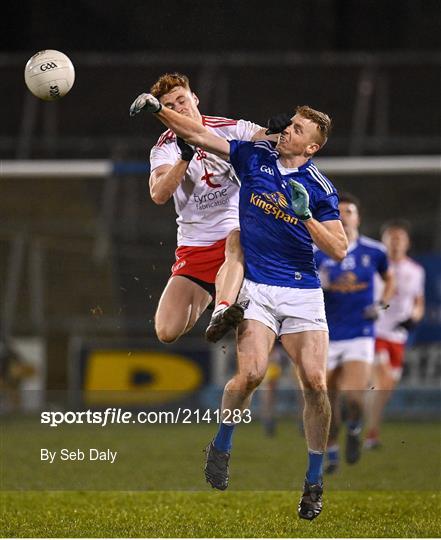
(184, 127)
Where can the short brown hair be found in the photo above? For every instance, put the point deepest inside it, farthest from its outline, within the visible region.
(322, 120)
(401, 224)
(167, 82)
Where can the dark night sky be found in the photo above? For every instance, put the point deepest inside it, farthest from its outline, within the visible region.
(216, 25)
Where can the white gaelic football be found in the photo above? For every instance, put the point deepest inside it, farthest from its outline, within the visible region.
(49, 75)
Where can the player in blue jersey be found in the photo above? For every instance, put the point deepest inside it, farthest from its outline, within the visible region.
(351, 311)
(286, 204)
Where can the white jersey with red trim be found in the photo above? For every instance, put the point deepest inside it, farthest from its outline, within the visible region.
(409, 284)
(207, 199)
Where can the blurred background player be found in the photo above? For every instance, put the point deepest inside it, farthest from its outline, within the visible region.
(206, 196)
(392, 327)
(351, 311)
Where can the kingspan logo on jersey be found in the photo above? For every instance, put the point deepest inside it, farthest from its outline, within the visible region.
(217, 197)
(272, 204)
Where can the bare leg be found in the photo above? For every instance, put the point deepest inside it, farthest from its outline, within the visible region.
(227, 314)
(354, 380)
(230, 275)
(384, 384)
(309, 350)
(180, 306)
(334, 399)
(255, 341)
(353, 384)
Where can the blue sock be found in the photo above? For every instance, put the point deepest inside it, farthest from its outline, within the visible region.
(354, 427)
(222, 441)
(315, 467)
(333, 454)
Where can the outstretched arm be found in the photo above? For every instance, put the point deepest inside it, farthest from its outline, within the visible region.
(186, 128)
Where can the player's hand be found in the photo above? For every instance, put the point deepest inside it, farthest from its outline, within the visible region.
(277, 123)
(147, 102)
(187, 152)
(408, 324)
(372, 312)
(300, 200)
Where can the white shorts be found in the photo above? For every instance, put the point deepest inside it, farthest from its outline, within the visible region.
(283, 309)
(361, 348)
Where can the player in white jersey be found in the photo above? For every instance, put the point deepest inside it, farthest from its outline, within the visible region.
(392, 328)
(206, 196)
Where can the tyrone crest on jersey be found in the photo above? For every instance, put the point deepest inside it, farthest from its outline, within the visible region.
(201, 155)
(206, 178)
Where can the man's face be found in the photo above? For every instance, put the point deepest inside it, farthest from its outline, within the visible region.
(183, 101)
(396, 241)
(350, 217)
(299, 138)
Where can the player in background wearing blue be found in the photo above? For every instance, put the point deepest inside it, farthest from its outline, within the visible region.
(285, 205)
(351, 312)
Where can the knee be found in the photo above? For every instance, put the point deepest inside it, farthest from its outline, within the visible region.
(166, 334)
(166, 337)
(315, 381)
(355, 397)
(250, 379)
(253, 379)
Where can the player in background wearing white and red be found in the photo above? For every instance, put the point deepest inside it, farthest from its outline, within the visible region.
(392, 327)
(205, 190)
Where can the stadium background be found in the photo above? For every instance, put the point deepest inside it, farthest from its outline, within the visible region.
(84, 257)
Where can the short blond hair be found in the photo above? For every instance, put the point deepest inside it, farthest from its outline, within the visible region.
(167, 82)
(322, 121)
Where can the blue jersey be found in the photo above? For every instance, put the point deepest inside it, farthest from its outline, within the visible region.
(349, 287)
(276, 244)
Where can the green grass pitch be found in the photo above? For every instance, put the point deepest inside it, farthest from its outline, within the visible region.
(393, 492)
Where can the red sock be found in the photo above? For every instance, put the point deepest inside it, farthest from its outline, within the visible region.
(221, 306)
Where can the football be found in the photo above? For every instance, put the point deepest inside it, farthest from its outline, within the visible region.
(49, 74)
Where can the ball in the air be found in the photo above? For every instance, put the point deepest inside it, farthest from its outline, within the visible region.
(49, 75)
